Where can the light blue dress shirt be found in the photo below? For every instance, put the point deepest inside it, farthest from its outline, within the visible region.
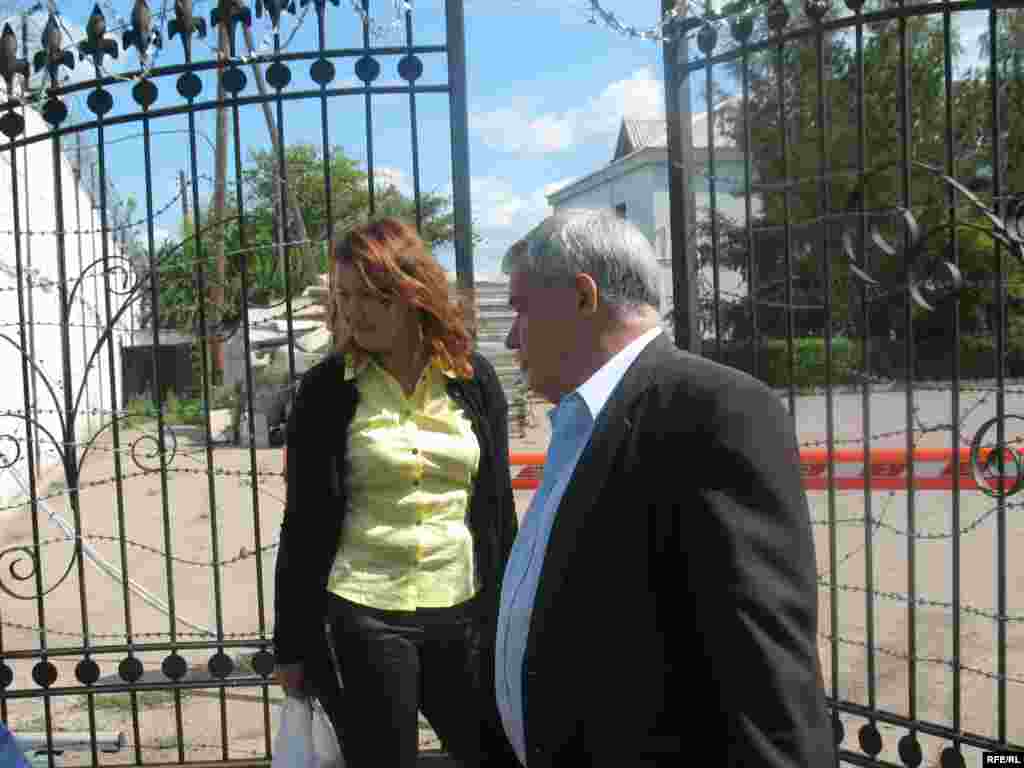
(572, 422)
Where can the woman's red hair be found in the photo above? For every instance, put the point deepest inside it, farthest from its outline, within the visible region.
(394, 261)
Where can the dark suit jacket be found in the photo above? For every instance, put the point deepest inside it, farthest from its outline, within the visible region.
(677, 605)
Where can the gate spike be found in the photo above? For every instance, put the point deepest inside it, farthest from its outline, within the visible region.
(10, 64)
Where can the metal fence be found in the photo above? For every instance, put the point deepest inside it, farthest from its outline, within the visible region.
(852, 230)
(135, 551)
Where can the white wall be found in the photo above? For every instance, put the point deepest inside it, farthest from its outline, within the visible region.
(37, 206)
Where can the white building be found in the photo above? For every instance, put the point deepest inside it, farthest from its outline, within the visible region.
(88, 360)
(635, 184)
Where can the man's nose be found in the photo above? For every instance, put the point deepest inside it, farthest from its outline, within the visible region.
(512, 339)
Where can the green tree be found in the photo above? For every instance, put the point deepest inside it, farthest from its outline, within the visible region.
(813, 188)
(304, 171)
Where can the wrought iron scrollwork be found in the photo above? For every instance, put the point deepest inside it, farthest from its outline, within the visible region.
(32, 556)
(929, 280)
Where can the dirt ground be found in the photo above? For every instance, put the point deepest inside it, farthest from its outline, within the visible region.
(238, 530)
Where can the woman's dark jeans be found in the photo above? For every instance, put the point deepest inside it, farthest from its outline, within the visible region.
(394, 664)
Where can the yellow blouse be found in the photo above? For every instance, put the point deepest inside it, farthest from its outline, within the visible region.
(412, 460)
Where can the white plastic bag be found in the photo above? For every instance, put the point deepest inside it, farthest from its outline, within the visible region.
(305, 737)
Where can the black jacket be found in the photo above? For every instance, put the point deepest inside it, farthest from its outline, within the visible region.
(317, 501)
(677, 601)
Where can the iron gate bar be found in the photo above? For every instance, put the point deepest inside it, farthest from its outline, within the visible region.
(752, 286)
(864, 254)
(250, 681)
(247, 347)
(458, 109)
(30, 454)
(285, 215)
(321, 10)
(787, 231)
(708, 93)
(154, 284)
(886, 14)
(905, 153)
(242, 101)
(1000, 377)
(823, 209)
(203, 66)
(931, 729)
(947, 39)
(253, 641)
(369, 121)
(413, 127)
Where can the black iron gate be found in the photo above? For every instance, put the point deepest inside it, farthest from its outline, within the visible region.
(847, 227)
(137, 540)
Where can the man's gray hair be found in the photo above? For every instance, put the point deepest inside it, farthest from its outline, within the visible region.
(616, 255)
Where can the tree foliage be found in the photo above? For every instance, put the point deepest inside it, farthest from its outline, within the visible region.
(827, 170)
(264, 256)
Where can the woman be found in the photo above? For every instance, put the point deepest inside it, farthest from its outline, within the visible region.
(400, 516)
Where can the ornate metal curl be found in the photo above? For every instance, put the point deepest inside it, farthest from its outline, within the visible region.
(135, 445)
(992, 466)
(5, 461)
(32, 556)
(925, 286)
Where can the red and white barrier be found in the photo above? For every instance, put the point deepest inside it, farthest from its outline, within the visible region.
(933, 469)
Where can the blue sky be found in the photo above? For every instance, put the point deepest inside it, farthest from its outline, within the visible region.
(547, 92)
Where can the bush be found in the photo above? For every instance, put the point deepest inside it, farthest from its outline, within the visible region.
(808, 369)
(933, 359)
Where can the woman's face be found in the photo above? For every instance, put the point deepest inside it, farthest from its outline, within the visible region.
(377, 322)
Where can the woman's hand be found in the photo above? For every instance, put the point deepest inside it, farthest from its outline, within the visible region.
(292, 679)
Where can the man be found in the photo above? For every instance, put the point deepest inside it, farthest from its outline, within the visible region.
(660, 599)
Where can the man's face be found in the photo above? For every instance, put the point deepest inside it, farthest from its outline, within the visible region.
(545, 333)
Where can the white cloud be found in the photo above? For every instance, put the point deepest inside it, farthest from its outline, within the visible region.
(384, 176)
(640, 96)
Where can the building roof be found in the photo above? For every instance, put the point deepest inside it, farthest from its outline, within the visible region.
(635, 135)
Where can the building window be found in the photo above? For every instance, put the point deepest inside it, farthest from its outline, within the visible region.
(620, 210)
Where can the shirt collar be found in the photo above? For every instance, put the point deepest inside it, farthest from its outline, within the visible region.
(353, 370)
(596, 390)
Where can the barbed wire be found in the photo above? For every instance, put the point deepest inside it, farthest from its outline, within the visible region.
(89, 484)
(100, 230)
(241, 557)
(951, 663)
(921, 601)
(252, 635)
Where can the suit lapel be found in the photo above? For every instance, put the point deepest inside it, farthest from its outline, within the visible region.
(592, 470)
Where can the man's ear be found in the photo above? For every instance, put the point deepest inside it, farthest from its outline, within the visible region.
(586, 294)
